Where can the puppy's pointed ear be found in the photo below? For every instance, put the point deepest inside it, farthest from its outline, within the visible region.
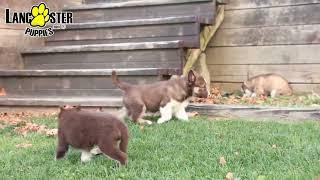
(191, 77)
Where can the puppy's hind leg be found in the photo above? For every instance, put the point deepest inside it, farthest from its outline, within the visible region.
(62, 146)
(137, 113)
(109, 147)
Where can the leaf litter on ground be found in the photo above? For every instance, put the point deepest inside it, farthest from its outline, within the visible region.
(22, 124)
(217, 96)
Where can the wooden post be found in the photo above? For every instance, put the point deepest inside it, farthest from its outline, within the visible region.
(206, 34)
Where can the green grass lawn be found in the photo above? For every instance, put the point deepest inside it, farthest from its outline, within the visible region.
(177, 150)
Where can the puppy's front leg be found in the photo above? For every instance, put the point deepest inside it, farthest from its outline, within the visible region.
(95, 151)
(181, 111)
(166, 113)
(85, 156)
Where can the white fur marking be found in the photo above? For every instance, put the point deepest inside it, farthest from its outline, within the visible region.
(166, 113)
(85, 156)
(180, 110)
(247, 93)
(173, 108)
(95, 151)
(253, 95)
(196, 90)
(122, 113)
(273, 93)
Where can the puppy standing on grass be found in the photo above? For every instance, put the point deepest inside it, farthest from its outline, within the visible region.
(266, 84)
(93, 133)
(170, 97)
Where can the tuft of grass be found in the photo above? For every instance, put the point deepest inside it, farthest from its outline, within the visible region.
(177, 150)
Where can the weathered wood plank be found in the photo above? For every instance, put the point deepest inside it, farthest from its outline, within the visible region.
(245, 4)
(228, 73)
(191, 41)
(294, 73)
(106, 65)
(240, 111)
(301, 73)
(10, 58)
(204, 9)
(57, 101)
(66, 93)
(128, 32)
(297, 88)
(69, 82)
(157, 58)
(264, 54)
(290, 35)
(278, 16)
(129, 3)
(105, 47)
(173, 32)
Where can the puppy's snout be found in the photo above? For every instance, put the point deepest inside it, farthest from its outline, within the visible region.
(201, 92)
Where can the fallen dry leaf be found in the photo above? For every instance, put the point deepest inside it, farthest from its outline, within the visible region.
(23, 145)
(193, 114)
(318, 178)
(3, 92)
(274, 146)
(229, 176)
(51, 132)
(237, 153)
(222, 161)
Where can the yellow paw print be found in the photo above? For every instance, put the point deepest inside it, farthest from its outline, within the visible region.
(40, 15)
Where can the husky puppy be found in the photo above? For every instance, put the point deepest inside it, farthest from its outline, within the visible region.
(266, 84)
(169, 97)
(93, 133)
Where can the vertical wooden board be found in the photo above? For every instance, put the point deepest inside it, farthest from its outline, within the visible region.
(277, 16)
(264, 54)
(228, 73)
(294, 73)
(246, 4)
(283, 35)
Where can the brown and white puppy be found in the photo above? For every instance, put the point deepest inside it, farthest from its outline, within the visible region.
(266, 84)
(92, 133)
(169, 97)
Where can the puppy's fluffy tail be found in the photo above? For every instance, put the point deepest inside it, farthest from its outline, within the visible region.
(121, 85)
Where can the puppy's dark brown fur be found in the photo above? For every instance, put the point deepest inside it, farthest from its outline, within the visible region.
(85, 129)
(151, 97)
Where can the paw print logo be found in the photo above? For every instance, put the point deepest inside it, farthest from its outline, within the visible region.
(40, 15)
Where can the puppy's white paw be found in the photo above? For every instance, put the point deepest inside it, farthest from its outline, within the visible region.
(95, 151)
(85, 156)
(142, 121)
(148, 122)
